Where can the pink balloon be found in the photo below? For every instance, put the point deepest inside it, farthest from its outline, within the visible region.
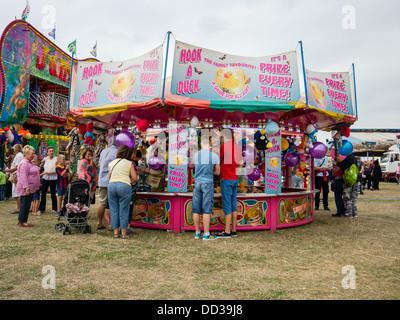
(340, 156)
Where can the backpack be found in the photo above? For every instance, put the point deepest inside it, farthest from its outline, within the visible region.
(350, 175)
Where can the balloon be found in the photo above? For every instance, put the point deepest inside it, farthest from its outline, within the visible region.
(248, 154)
(254, 175)
(284, 144)
(318, 150)
(292, 159)
(125, 138)
(345, 132)
(194, 122)
(155, 163)
(142, 125)
(340, 156)
(346, 149)
(272, 127)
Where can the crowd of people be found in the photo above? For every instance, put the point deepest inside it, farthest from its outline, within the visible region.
(117, 180)
(369, 175)
(31, 178)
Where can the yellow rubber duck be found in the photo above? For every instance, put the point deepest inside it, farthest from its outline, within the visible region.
(230, 82)
(242, 187)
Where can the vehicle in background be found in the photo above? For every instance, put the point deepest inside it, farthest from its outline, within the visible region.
(389, 163)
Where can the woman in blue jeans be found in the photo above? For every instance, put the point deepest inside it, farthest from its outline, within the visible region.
(122, 175)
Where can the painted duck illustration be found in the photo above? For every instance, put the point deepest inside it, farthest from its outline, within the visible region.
(230, 82)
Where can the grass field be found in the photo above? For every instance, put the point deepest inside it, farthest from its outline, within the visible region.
(296, 263)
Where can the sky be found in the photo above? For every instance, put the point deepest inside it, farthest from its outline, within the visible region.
(334, 34)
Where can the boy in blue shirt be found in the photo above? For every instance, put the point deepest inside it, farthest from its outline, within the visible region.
(206, 165)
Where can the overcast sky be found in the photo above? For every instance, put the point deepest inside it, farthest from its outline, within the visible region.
(127, 29)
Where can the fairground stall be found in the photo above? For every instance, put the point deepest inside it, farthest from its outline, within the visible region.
(34, 88)
(258, 98)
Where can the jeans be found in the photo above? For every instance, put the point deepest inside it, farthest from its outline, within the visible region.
(119, 198)
(2, 190)
(45, 185)
(320, 183)
(203, 197)
(229, 195)
(25, 207)
(339, 196)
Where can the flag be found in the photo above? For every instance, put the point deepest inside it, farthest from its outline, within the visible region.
(94, 51)
(26, 11)
(72, 47)
(52, 33)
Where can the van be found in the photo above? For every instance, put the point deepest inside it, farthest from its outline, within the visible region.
(389, 163)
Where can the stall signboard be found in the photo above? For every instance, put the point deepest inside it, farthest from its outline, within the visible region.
(210, 75)
(177, 157)
(98, 84)
(330, 91)
(25, 52)
(273, 162)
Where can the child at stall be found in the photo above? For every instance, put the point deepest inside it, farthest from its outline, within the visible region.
(62, 170)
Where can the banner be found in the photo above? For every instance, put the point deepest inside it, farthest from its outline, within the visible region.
(177, 158)
(273, 165)
(98, 84)
(330, 91)
(210, 75)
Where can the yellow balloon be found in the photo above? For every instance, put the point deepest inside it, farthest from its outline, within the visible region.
(284, 144)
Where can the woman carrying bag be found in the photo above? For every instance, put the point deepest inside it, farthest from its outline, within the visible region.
(122, 175)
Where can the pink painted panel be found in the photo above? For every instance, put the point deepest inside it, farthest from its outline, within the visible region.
(253, 214)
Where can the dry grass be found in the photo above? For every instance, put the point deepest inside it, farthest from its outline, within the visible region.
(296, 263)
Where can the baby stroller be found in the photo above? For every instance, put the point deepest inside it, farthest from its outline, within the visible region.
(75, 208)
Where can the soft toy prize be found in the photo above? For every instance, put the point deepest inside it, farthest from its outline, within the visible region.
(89, 136)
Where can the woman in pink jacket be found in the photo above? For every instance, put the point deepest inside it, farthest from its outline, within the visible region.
(28, 183)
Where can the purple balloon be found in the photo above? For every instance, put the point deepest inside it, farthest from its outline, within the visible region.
(248, 154)
(254, 175)
(292, 159)
(125, 138)
(155, 163)
(318, 150)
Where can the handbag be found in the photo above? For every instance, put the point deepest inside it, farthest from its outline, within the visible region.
(13, 178)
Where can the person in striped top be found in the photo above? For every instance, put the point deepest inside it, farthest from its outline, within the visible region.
(62, 170)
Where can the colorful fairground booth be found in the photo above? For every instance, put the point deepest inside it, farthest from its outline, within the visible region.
(258, 98)
(34, 88)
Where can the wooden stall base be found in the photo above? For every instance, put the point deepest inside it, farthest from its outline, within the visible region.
(256, 211)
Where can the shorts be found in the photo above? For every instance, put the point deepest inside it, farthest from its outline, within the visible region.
(398, 175)
(61, 192)
(203, 198)
(36, 195)
(103, 196)
(229, 195)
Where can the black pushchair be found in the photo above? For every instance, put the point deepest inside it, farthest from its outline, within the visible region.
(75, 208)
